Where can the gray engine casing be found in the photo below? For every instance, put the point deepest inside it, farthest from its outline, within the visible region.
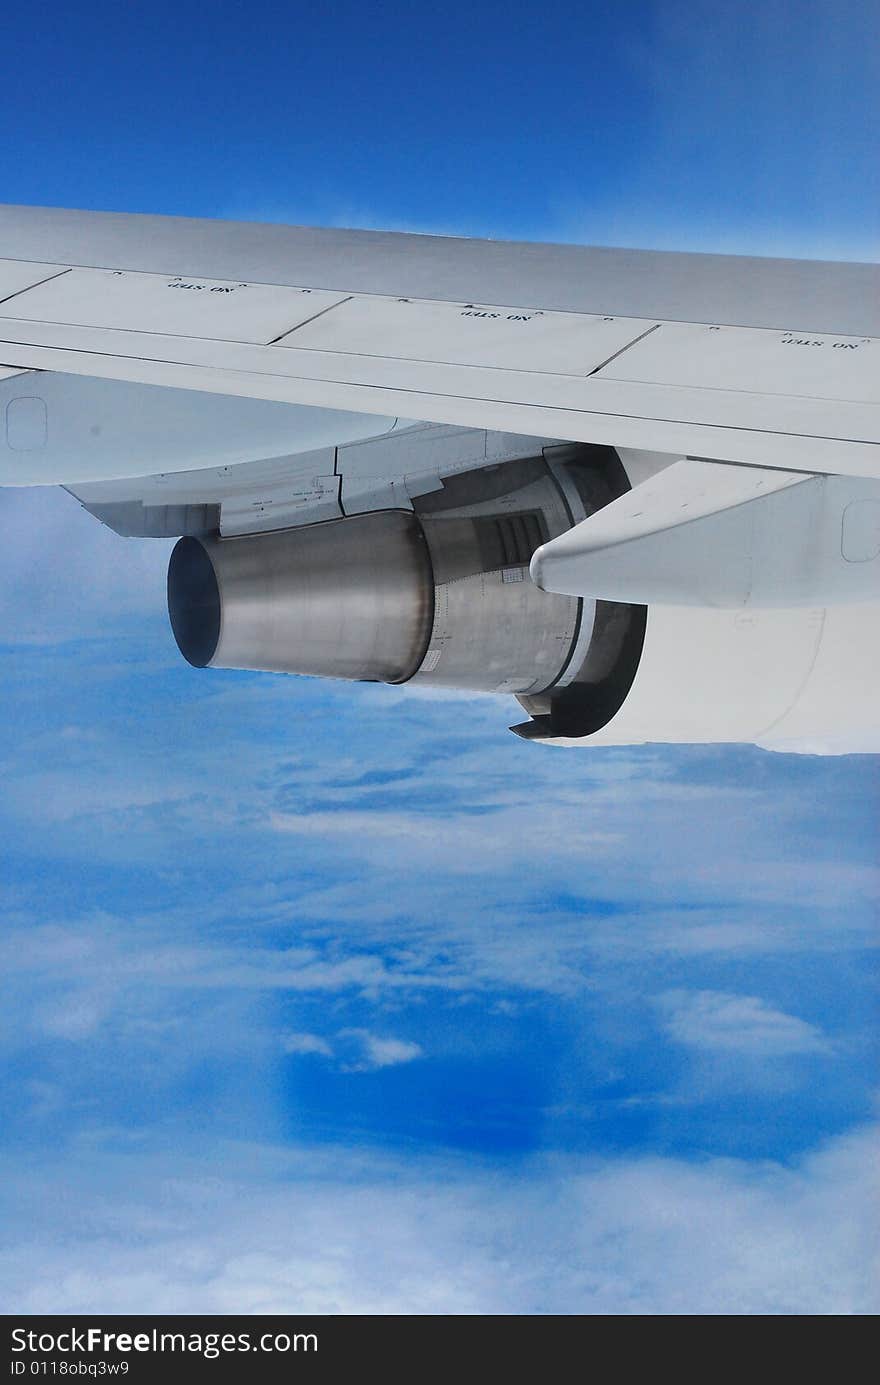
(438, 595)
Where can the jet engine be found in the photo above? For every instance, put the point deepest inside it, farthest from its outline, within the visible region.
(437, 595)
(440, 594)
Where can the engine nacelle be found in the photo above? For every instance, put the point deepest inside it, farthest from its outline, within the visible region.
(441, 595)
(798, 679)
(438, 595)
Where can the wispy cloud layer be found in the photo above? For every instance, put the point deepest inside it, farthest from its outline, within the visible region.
(737, 1024)
(540, 1014)
(332, 1231)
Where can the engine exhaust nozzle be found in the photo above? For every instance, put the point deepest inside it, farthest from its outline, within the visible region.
(349, 598)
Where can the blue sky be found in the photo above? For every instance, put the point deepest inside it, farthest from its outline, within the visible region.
(342, 998)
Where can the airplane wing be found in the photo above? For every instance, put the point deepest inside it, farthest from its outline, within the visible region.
(640, 491)
(767, 362)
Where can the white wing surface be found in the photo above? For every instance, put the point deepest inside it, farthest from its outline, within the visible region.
(773, 363)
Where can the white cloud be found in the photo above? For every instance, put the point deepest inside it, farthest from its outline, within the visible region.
(357, 1050)
(378, 1051)
(743, 1024)
(279, 1232)
(58, 796)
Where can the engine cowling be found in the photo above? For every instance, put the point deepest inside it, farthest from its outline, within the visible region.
(438, 595)
(441, 595)
(799, 679)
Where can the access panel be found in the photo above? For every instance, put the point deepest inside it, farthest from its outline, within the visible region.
(16, 275)
(753, 360)
(170, 304)
(469, 334)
